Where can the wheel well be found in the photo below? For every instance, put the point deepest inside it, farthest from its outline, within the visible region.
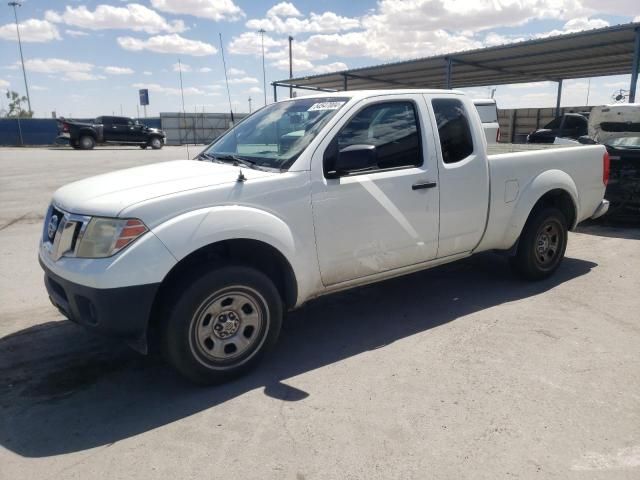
(87, 133)
(251, 253)
(561, 200)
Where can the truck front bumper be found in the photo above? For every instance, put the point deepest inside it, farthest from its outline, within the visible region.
(117, 312)
(601, 210)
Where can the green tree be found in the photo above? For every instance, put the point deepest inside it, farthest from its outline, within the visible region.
(15, 105)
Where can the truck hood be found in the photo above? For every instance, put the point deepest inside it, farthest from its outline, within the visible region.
(107, 195)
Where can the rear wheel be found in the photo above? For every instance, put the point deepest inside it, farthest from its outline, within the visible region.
(86, 142)
(542, 244)
(156, 143)
(221, 324)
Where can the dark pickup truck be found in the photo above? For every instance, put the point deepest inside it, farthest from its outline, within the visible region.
(112, 130)
(569, 125)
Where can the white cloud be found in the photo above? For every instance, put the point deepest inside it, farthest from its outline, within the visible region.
(83, 76)
(32, 30)
(4, 83)
(235, 72)
(576, 25)
(38, 88)
(56, 65)
(118, 70)
(249, 43)
(327, 22)
(168, 44)
(205, 70)
(254, 90)
(624, 85)
(76, 33)
(177, 66)
(214, 9)
(147, 72)
(407, 29)
(330, 67)
(154, 87)
(68, 70)
(133, 16)
(284, 9)
(243, 80)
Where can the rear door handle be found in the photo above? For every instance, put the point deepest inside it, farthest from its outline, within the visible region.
(418, 186)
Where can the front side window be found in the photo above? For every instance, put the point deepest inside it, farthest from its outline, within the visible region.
(456, 141)
(390, 127)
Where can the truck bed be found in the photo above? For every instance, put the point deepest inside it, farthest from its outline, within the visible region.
(498, 148)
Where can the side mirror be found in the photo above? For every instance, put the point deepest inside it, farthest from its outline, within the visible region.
(352, 158)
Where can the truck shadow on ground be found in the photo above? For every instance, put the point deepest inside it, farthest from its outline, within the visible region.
(64, 390)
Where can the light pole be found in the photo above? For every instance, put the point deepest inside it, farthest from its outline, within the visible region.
(262, 31)
(290, 65)
(24, 72)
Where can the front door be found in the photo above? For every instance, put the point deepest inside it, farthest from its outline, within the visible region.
(383, 216)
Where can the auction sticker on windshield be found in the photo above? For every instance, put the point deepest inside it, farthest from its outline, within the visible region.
(325, 106)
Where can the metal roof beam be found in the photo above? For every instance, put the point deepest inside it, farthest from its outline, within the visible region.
(501, 70)
(381, 80)
(555, 51)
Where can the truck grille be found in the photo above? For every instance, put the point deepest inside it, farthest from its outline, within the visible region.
(62, 232)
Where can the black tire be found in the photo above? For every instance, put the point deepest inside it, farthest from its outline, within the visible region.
(86, 142)
(143, 147)
(221, 324)
(155, 143)
(74, 145)
(542, 244)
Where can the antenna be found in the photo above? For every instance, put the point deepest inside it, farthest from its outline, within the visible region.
(262, 31)
(224, 64)
(184, 112)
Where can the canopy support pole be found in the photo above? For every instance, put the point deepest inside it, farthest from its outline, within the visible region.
(448, 73)
(634, 69)
(558, 98)
(275, 93)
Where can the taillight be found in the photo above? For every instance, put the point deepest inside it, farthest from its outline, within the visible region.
(65, 127)
(606, 168)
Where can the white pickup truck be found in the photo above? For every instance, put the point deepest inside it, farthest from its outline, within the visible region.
(305, 197)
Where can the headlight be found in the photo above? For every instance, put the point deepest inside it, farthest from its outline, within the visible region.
(105, 237)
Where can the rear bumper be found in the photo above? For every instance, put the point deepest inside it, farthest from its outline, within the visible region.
(601, 210)
(116, 312)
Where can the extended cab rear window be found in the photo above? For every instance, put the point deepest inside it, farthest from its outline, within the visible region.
(456, 141)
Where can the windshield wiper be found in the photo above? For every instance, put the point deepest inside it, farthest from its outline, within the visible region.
(235, 159)
(204, 155)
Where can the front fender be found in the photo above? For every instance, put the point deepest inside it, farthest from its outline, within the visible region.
(191, 231)
(534, 191)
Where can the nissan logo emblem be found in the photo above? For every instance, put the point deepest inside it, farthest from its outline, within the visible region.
(52, 228)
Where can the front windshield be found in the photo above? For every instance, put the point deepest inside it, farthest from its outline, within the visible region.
(277, 134)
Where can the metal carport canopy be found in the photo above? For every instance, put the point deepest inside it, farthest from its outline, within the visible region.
(593, 53)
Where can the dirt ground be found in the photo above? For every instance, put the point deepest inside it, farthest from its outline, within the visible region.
(457, 372)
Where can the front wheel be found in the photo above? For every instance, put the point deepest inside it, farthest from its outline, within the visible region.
(542, 244)
(86, 142)
(221, 324)
(155, 143)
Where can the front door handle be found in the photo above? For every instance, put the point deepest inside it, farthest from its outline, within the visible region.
(418, 186)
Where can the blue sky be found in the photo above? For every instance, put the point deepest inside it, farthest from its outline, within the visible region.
(87, 58)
